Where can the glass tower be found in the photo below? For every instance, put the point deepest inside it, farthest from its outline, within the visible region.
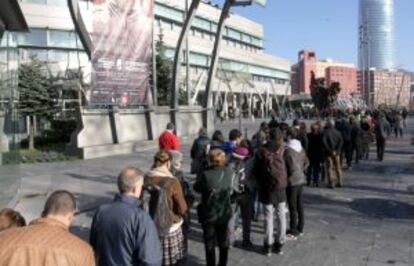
(376, 34)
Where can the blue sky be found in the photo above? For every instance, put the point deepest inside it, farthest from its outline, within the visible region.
(327, 26)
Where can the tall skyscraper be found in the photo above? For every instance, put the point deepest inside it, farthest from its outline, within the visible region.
(376, 34)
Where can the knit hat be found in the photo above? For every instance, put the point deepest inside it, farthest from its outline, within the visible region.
(240, 153)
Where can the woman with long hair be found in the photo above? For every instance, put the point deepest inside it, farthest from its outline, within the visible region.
(173, 244)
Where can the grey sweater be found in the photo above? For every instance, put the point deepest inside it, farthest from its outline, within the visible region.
(296, 163)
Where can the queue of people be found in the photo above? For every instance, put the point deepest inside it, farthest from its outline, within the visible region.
(148, 221)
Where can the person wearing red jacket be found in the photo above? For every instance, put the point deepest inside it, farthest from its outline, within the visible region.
(168, 140)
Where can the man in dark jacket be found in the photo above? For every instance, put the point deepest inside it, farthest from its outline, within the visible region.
(315, 155)
(260, 138)
(332, 143)
(380, 135)
(404, 115)
(356, 139)
(199, 152)
(122, 233)
(345, 129)
(273, 122)
(271, 174)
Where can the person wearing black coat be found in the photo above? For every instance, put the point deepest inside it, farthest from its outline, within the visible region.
(380, 135)
(356, 139)
(199, 152)
(214, 211)
(271, 174)
(332, 144)
(315, 155)
(367, 138)
(344, 127)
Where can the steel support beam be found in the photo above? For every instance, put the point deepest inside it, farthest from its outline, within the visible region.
(80, 27)
(177, 58)
(214, 60)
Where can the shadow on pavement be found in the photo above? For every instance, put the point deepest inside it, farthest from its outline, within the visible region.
(194, 261)
(88, 203)
(106, 179)
(379, 189)
(316, 199)
(383, 208)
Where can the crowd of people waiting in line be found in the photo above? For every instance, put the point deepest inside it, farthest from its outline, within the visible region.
(148, 221)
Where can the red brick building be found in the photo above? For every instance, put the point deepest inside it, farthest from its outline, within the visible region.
(332, 71)
(301, 72)
(346, 76)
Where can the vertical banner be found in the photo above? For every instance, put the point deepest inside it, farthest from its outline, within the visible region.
(121, 51)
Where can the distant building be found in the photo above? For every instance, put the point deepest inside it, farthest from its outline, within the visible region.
(376, 34)
(301, 72)
(386, 87)
(412, 95)
(52, 38)
(322, 65)
(346, 76)
(332, 71)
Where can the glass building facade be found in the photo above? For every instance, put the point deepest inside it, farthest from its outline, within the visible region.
(62, 49)
(170, 18)
(376, 34)
(11, 20)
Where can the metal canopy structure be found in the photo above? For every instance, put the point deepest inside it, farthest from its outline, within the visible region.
(80, 26)
(11, 16)
(225, 12)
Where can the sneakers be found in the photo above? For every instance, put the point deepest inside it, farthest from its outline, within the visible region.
(291, 237)
(267, 250)
(277, 248)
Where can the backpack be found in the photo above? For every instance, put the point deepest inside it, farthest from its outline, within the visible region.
(155, 203)
(216, 208)
(238, 180)
(200, 162)
(275, 168)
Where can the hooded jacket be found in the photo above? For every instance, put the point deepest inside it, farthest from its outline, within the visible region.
(296, 163)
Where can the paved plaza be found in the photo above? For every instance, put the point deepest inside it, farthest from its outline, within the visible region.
(369, 222)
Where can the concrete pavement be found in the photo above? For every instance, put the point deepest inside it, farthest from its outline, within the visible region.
(368, 222)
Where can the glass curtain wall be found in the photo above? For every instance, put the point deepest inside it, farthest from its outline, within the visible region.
(9, 137)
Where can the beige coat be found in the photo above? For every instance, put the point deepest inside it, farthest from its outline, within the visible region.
(45, 242)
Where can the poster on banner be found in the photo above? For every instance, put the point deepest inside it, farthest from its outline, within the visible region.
(121, 51)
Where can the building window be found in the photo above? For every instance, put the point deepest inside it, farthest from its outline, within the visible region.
(36, 37)
(27, 54)
(65, 39)
(62, 3)
(168, 12)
